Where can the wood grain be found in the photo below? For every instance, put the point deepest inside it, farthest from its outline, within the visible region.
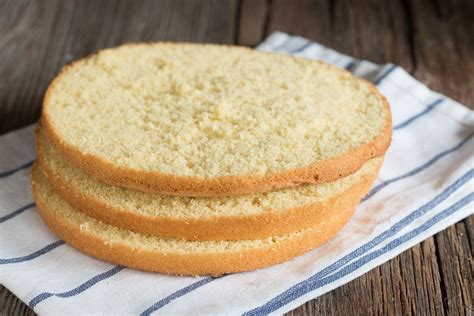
(433, 39)
(443, 35)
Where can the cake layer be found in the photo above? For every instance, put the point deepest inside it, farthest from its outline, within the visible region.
(210, 120)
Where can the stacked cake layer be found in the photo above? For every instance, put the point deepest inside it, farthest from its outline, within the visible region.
(204, 159)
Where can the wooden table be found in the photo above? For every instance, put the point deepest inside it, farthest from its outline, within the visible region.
(432, 39)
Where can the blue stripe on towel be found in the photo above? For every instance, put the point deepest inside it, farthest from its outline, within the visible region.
(33, 255)
(417, 169)
(301, 48)
(281, 45)
(12, 171)
(349, 65)
(316, 282)
(384, 75)
(77, 290)
(10, 215)
(428, 109)
(175, 295)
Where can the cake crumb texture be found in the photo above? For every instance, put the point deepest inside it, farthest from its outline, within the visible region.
(191, 112)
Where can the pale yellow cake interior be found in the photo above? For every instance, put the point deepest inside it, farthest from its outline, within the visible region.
(209, 111)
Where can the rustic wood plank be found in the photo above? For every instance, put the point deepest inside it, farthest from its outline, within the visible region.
(24, 40)
(470, 232)
(11, 305)
(443, 34)
(455, 260)
(253, 19)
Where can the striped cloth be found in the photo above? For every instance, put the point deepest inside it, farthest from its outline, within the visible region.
(426, 184)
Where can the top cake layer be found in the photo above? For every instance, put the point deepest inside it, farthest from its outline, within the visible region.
(210, 120)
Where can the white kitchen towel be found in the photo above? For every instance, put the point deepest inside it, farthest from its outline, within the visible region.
(425, 185)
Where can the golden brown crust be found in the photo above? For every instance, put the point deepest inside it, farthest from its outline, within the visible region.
(216, 263)
(168, 184)
(269, 223)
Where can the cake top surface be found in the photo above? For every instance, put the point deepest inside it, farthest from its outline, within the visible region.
(210, 111)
